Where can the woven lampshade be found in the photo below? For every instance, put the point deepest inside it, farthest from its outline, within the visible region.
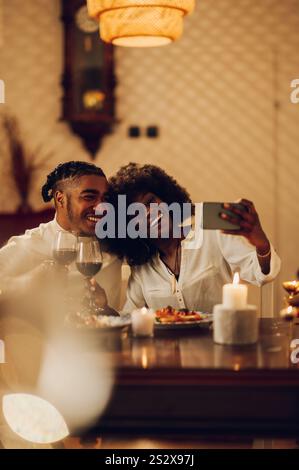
(140, 23)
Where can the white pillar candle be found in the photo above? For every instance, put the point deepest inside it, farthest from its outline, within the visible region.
(235, 294)
(143, 322)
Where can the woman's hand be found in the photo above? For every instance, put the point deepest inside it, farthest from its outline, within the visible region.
(99, 293)
(250, 228)
(100, 299)
(249, 223)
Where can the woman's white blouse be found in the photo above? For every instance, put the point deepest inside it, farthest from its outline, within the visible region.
(203, 272)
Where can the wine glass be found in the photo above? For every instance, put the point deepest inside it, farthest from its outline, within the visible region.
(64, 253)
(89, 262)
(292, 288)
(65, 248)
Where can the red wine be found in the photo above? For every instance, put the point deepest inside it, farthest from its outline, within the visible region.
(65, 256)
(89, 269)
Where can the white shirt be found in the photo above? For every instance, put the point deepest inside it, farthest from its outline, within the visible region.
(24, 253)
(203, 272)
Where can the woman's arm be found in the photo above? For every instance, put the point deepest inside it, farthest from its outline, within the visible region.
(134, 299)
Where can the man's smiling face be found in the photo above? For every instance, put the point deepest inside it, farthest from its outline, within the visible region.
(82, 198)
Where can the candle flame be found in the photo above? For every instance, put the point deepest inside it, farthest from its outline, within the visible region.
(143, 311)
(236, 279)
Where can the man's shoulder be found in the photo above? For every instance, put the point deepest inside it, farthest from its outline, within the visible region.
(24, 252)
(39, 233)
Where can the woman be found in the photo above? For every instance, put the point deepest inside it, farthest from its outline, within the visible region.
(165, 269)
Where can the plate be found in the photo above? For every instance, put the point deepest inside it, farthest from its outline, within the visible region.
(102, 323)
(204, 323)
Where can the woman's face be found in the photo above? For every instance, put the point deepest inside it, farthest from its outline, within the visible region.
(159, 222)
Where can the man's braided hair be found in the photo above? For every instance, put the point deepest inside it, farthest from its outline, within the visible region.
(65, 171)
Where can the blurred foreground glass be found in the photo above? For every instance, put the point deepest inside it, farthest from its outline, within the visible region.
(33, 418)
(278, 337)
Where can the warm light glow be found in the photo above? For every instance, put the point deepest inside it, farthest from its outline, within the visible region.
(142, 41)
(144, 359)
(93, 99)
(288, 313)
(143, 311)
(33, 418)
(140, 23)
(291, 286)
(236, 279)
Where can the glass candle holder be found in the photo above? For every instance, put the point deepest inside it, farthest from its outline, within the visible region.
(292, 288)
(289, 313)
(143, 320)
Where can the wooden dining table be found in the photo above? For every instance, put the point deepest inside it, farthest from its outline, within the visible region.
(181, 383)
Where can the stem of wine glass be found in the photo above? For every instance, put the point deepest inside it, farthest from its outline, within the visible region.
(89, 293)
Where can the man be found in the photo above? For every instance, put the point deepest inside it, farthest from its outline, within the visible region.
(76, 188)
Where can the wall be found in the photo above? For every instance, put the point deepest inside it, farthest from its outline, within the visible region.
(220, 97)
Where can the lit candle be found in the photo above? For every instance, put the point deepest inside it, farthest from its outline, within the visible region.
(143, 322)
(235, 294)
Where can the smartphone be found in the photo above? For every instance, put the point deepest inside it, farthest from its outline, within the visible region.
(212, 219)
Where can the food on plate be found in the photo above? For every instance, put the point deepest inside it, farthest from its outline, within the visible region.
(172, 315)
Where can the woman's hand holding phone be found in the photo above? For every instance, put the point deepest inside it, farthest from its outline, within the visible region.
(248, 221)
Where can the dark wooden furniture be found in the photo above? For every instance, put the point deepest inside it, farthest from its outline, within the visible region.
(184, 384)
(88, 80)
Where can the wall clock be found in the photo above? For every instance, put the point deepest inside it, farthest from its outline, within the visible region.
(88, 80)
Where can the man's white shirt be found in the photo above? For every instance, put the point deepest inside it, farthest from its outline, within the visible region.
(25, 252)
